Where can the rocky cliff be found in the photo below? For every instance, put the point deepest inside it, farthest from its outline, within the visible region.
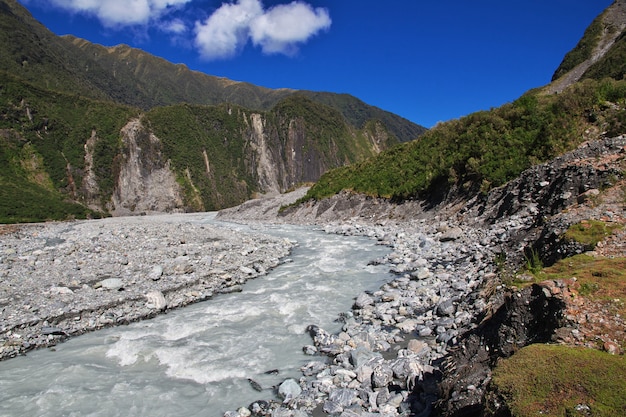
(119, 160)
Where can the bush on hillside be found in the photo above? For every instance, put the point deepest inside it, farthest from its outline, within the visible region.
(485, 149)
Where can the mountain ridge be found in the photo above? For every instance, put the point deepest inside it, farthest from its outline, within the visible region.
(71, 64)
(603, 41)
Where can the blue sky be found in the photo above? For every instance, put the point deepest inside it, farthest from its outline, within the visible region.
(427, 61)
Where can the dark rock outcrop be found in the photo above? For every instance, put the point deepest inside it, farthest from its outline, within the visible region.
(529, 316)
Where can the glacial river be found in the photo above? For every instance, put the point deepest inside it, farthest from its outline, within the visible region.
(196, 361)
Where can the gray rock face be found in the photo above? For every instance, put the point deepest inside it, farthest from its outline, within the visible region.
(146, 183)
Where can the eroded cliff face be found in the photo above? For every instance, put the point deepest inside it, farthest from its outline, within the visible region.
(197, 159)
(283, 153)
(282, 159)
(268, 171)
(145, 182)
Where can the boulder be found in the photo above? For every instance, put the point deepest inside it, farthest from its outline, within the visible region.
(382, 376)
(452, 234)
(156, 273)
(289, 389)
(446, 308)
(156, 300)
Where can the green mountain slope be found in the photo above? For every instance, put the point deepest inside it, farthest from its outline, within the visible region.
(147, 81)
(31, 52)
(486, 149)
(61, 150)
(87, 130)
(133, 77)
(42, 142)
(601, 52)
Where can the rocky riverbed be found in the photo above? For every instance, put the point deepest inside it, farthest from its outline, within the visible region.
(63, 279)
(431, 333)
(426, 342)
(385, 361)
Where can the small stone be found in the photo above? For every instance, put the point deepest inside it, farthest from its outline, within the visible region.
(425, 331)
(363, 300)
(247, 271)
(61, 290)
(446, 308)
(156, 273)
(156, 300)
(452, 234)
(343, 397)
(382, 376)
(611, 347)
(309, 350)
(112, 284)
(361, 356)
(244, 412)
(417, 346)
(54, 331)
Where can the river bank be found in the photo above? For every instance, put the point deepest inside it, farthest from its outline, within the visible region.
(386, 359)
(64, 279)
(450, 261)
(59, 280)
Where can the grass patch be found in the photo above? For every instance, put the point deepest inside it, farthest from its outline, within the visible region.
(533, 263)
(551, 380)
(600, 279)
(590, 232)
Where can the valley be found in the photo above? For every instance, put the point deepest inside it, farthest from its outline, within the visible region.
(487, 254)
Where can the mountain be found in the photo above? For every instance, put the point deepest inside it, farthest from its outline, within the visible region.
(600, 53)
(133, 77)
(87, 130)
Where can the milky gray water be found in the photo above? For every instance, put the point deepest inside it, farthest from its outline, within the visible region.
(196, 361)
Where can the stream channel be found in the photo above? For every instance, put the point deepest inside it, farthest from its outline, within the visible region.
(196, 361)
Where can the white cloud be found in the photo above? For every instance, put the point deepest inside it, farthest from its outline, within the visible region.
(121, 12)
(175, 26)
(225, 32)
(277, 30)
(284, 26)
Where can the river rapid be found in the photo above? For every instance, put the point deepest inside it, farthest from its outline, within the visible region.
(200, 360)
